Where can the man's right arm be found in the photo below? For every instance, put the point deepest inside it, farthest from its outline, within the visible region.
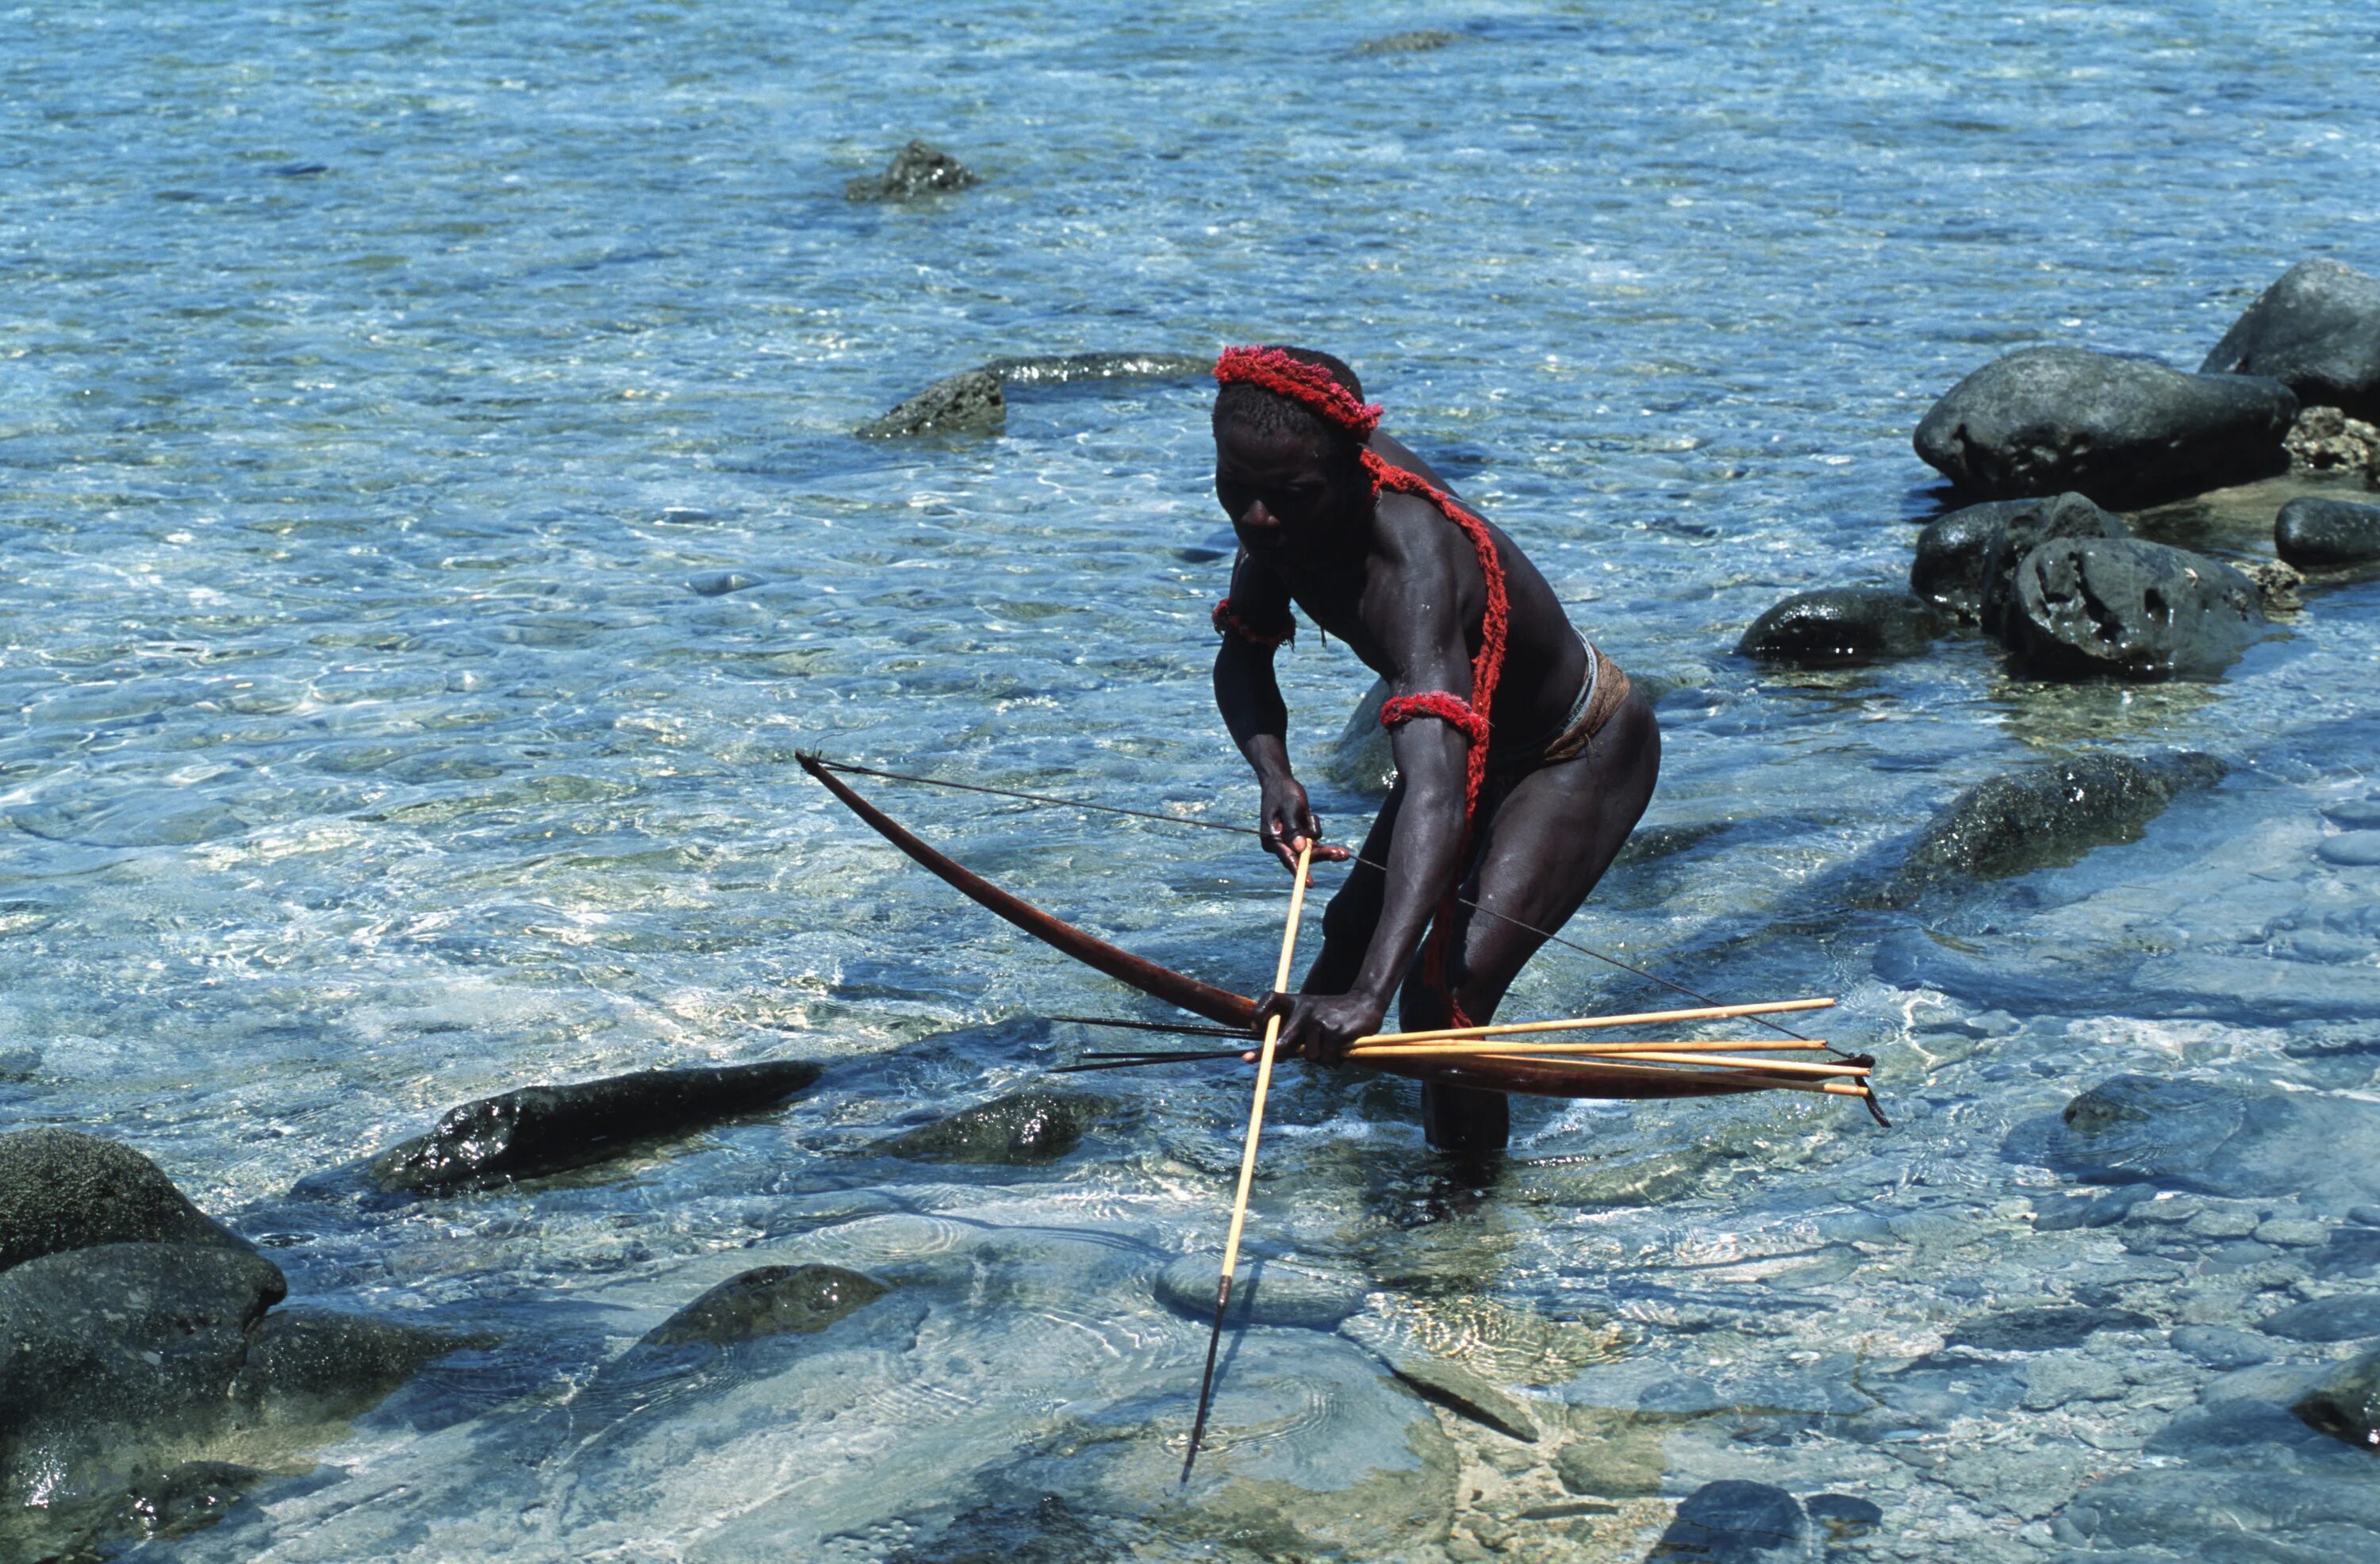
(1249, 698)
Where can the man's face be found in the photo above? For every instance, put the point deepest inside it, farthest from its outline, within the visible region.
(1281, 488)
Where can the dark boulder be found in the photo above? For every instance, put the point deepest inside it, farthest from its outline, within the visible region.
(1362, 761)
(188, 1497)
(61, 1190)
(2312, 532)
(2240, 1142)
(2122, 430)
(541, 1130)
(2353, 1316)
(967, 402)
(1066, 369)
(769, 1301)
(2345, 1403)
(2044, 1329)
(1030, 1126)
(2065, 516)
(2316, 331)
(2047, 816)
(1841, 625)
(2120, 608)
(325, 1365)
(918, 169)
(115, 1350)
(1733, 1521)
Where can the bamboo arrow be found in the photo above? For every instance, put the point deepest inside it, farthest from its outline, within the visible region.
(1248, 1158)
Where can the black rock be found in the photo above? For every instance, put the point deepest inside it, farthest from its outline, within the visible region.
(2122, 430)
(1842, 625)
(2120, 608)
(2349, 1319)
(541, 1130)
(1843, 1516)
(2316, 331)
(769, 1301)
(967, 402)
(115, 1348)
(918, 169)
(1030, 1126)
(61, 1190)
(2311, 532)
(2042, 1329)
(1967, 560)
(2091, 1211)
(2046, 816)
(1066, 369)
(2345, 1403)
(1733, 1522)
(187, 1498)
(322, 1365)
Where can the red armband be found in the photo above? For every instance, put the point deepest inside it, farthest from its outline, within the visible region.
(1450, 708)
(1229, 624)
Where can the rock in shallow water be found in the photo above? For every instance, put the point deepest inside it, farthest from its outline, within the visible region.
(1263, 1292)
(541, 1130)
(2050, 815)
(1735, 1521)
(1966, 561)
(1030, 1126)
(2124, 609)
(918, 169)
(2350, 1317)
(2313, 533)
(2317, 331)
(1842, 625)
(62, 1190)
(2121, 430)
(2345, 1403)
(769, 1301)
(967, 403)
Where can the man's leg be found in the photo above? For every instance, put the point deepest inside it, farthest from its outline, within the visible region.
(1543, 850)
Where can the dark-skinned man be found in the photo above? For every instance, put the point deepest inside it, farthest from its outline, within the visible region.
(1523, 759)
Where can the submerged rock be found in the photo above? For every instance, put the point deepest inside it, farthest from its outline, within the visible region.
(918, 169)
(2325, 439)
(2121, 430)
(1064, 368)
(769, 1301)
(1733, 1521)
(325, 1365)
(1263, 1292)
(2044, 1329)
(541, 1130)
(2317, 331)
(1419, 41)
(2351, 1318)
(2312, 532)
(2124, 609)
(1029, 1126)
(2345, 1403)
(62, 1190)
(2049, 816)
(1842, 625)
(967, 403)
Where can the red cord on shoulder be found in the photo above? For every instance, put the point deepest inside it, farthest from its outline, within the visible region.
(1228, 623)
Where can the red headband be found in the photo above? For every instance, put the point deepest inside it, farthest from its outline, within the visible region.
(1310, 385)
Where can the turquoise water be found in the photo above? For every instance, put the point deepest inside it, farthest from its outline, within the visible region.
(382, 383)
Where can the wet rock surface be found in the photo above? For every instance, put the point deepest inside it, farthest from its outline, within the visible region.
(769, 1301)
(1264, 1292)
(1026, 1127)
(541, 1130)
(918, 169)
(1842, 625)
(2313, 533)
(1966, 561)
(1735, 1521)
(2050, 815)
(61, 1190)
(2317, 331)
(967, 402)
(2124, 609)
(2234, 1140)
(2121, 430)
(1362, 761)
(2345, 1403)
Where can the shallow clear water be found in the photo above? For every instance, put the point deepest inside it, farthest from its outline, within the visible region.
(377, 382)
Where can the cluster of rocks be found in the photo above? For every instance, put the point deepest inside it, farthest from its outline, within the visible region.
(148, 1365)
(975, 400)
(2048, 437)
